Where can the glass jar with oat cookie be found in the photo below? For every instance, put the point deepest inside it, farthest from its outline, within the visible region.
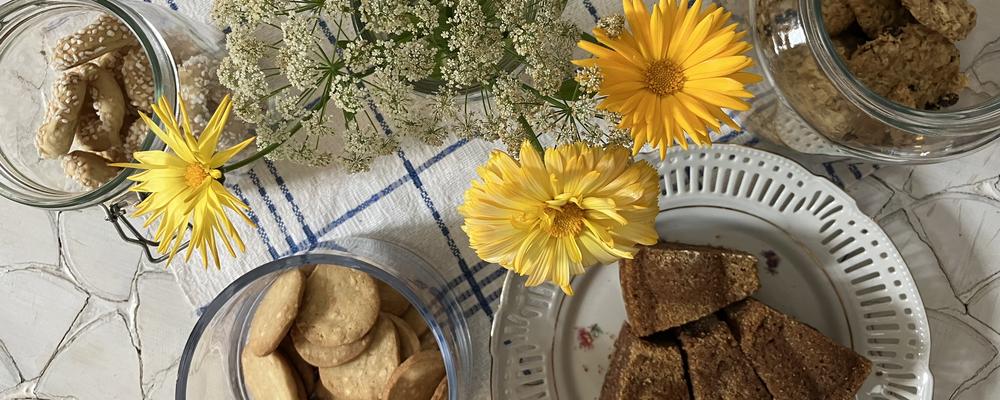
(893, 81)
(75, 75)
(359, 319)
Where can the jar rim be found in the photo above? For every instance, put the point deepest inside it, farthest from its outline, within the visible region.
(972, 120)
(165, 78)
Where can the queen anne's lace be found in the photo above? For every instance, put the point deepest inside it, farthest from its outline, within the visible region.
(298, 70)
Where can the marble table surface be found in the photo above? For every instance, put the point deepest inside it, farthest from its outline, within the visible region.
(84, 317)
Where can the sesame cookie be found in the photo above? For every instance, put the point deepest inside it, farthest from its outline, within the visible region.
(952, 18)
(329, 356)
(416, 321)
(409, 343)
(269, 377)
(276, 312)
(392, 302)
(417, 378)
(441, 393)
(340, 305)
(364, 377)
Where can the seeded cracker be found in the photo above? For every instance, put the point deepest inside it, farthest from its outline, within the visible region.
(837, 16)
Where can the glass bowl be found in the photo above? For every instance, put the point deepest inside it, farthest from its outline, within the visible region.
(210, 364)
(802, 62)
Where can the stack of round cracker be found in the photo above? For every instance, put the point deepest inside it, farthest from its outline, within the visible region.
(331, 332)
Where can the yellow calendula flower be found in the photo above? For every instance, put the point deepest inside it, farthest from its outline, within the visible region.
(550, 219)
(184, 185)
(672, 72)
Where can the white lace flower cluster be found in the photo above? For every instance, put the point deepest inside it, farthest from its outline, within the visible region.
(320, 90)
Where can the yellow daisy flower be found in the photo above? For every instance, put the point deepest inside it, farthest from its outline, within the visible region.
(550, 219)
(672, 72)
(184, 185)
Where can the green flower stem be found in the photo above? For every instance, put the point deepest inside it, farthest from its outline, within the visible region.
(532, 137)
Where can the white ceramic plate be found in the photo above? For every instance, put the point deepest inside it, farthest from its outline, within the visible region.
(821, 261)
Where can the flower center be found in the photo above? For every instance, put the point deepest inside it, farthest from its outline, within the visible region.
(566, 220)
(196, 174)
(664, 78)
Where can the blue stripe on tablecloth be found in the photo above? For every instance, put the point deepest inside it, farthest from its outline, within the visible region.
(828, 166)
(387, 190)
(415, 179)
(855, 171)
(292, 246)
(296, 210)
(172, 4)
(256, 221)
(591, 9)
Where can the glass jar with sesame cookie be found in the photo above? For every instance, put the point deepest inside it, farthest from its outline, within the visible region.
(75, 75)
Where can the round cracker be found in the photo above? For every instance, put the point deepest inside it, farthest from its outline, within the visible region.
(364, 377)
(416, 321)
(269, 377)
(441, 393)
(428, 342)
(340, 305)
(392, 301)
(409, 343)
(276, 312)
(307, 372)
(417, 378)
(323, 356)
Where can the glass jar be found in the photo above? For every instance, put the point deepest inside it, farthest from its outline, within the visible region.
(28, 31)
(210, 364)
(801, 61)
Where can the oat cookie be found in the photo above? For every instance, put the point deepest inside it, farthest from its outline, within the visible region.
(276, 312)
(917, 66)
(875, 16)
(417, 378)
(837, 16)
(340, 305)
(441, 393)
(409, 343)
(364, 377)
(952, 18)
(329, 356)
(416, 321)
(392, 302)
(269, 377)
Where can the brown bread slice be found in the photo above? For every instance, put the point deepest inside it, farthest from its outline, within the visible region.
(644, 370)
(717, 368)
(668, 284)
(794, 360)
